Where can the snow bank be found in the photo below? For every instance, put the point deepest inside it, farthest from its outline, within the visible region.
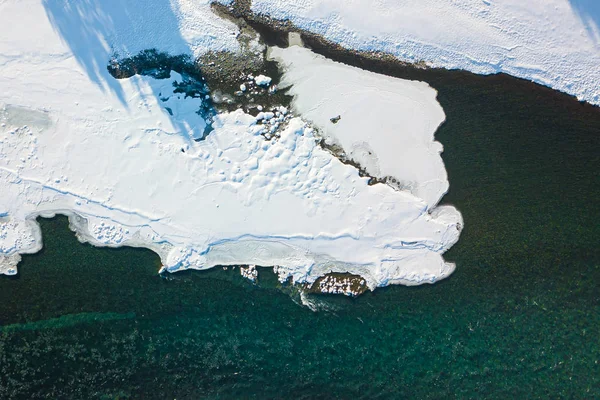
(124, 165)
(384, 124)
(552, 42)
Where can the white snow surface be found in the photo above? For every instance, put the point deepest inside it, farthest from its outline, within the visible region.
(262, 80)
(552, 42)
(386, 125)
(128, 172)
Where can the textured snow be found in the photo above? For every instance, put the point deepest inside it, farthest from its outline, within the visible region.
(552, 42)
(371, 130)
(124, 165)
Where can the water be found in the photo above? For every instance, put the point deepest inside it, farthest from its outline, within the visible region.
(520, 318)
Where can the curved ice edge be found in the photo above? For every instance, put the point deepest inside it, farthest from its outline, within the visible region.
(79, 225)
(10, 260)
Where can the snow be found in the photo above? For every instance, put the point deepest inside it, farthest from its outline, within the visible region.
(386, 124)
(126, 27)
(552, 42)
(129, 172)
(262, 80)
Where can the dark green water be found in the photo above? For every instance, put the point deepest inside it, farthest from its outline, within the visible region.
(520, 318)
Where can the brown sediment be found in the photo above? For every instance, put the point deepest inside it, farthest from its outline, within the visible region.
(226, 71)
(339, 283)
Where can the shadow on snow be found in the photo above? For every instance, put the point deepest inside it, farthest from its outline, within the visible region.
(97, 31)
(589, 13)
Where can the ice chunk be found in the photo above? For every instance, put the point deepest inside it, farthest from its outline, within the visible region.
(262, 80)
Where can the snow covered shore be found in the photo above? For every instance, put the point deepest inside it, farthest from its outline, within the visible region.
(552, 42)
(124, 165)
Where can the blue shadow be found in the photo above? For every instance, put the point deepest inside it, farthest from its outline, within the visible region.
(97, 31)
(589, 13)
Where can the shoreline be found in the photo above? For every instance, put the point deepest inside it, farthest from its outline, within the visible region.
(517, 319)
(275, 33)
(335, 38)
(116, 234)
(234, 187)
(333, 282)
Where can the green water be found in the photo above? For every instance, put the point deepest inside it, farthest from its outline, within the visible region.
(520, 318)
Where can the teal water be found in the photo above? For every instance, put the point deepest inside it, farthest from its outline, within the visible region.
(520, 318)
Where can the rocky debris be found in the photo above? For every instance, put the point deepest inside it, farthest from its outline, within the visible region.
(346, 284)
(249, 272)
